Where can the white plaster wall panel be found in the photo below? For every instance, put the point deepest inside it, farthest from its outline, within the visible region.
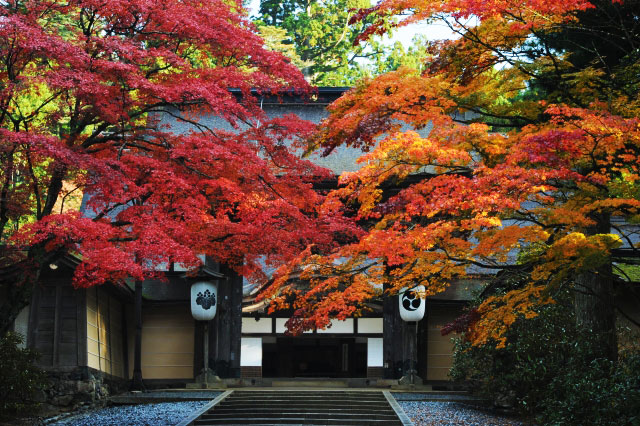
(21, 325)
(280, 327)
(374, 352)
(251, 352)
(262, 325)
(369, 325)
(342, 327)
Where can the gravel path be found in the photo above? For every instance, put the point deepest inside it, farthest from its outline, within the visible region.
(452, 413)
(422, 413)
(166, 413)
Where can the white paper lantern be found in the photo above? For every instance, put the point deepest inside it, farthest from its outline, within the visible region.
(412, 303)
(204, 300)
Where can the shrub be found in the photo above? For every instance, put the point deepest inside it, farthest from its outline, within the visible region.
(19, 377)
(536, 350)
(598, 393)
(546, 371)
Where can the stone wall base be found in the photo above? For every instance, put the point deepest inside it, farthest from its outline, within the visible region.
(74, 388)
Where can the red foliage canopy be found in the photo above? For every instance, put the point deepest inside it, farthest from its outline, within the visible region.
(84, 86)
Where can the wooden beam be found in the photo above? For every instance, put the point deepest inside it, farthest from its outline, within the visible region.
(423, 339)
(392, 333)
(222, 330)
(81, 324)
(57, 324)
(125, 342)
(235, 324)
(198, 350)
(33, 317)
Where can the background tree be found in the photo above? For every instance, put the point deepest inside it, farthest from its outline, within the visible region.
(529, 167)
(83, 87)
(323, 39)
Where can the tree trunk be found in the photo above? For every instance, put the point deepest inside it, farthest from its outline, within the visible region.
(594, 305)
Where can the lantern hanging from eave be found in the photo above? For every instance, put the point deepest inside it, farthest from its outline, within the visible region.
(412, 303)
(204, 300)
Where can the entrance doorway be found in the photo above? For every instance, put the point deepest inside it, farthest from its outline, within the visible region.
(310, 356)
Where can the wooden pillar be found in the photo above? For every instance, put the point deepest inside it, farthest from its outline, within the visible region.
(218, 336)
(33, 317)
(136, 381)
(198, 350)
(392, 333)
(423, 339)
(81, 326)
(235, 323)
(226, 328)
(214, 335)
(410, 356)
(125, 340)
(57, 325)
(387, 338)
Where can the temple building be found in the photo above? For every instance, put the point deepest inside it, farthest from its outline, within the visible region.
(96, 330)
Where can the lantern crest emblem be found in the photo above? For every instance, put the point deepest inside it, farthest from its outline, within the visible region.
(206, 299)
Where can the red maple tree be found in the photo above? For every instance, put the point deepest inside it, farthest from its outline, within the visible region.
(84, 85)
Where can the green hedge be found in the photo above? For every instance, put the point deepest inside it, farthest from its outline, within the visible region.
(19, 377)
(546, 372)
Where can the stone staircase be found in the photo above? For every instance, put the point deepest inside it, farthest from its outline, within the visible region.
(308, 407)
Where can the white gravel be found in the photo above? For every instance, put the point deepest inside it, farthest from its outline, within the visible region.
(452, 413)
(166, 413)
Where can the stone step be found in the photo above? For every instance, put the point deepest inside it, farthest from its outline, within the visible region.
(247, 408)
(310, 383)
(286, 400)
(378, 396)
(307, 410)
(295, 421)
(306, 394)
(308, 415)
(343, 406)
